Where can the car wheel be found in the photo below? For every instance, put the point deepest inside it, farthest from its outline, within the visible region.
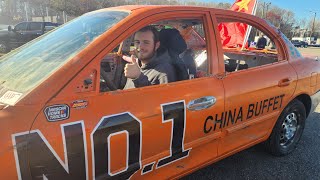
(3, 47)
(287, 130)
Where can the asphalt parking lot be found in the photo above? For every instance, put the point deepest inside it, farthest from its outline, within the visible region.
(310, 51)
(255, 163)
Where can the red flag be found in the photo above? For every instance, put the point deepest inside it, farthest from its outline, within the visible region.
(233, 34)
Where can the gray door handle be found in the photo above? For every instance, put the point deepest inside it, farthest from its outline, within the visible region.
(201, 103)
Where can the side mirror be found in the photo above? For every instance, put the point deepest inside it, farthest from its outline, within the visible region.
(9, 28)
(87, 82)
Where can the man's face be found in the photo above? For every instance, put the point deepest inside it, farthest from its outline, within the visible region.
(144, 43)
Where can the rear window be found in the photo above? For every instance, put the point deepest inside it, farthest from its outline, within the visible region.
(34, 26)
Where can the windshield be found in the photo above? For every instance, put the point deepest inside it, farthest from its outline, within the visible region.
(25, 68)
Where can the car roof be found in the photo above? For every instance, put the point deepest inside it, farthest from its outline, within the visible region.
(152, 7)
(161, 8)
(133, 8)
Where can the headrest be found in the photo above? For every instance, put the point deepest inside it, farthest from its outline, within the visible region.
(172, 40)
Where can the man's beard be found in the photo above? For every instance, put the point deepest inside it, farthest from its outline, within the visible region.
(148, 57)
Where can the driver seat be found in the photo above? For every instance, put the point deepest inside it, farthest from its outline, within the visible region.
(172, 40)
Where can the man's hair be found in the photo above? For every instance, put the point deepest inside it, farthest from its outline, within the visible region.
(154, 31)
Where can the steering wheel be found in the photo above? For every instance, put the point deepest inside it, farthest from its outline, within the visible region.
(118, 81)
(108, 81)
(119, 76)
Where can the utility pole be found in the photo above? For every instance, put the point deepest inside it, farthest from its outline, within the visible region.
(265, 7)
(26, 10)
(312, 29)
(268, 4)
(265, 12)
(88, 6)
(64, 12)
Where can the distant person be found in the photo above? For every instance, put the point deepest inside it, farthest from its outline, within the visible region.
(262, 42)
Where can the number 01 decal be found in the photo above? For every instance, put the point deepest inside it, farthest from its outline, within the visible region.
(111, 126)
(74, 166)
(131, 126)
(176, 114)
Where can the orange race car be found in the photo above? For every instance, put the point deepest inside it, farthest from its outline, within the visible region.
(64, 112)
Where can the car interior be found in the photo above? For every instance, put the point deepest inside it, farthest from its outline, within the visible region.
(185, 42)
(235, 60)
(249, 56)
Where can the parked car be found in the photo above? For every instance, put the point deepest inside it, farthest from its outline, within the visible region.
(298, 43)
(65, 115)
(23, 33)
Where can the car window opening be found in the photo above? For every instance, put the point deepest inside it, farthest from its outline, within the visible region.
(257, 51)
(184, 40)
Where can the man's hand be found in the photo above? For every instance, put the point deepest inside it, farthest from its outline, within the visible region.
(131, 70)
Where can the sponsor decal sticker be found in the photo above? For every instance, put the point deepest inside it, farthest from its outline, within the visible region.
(10, 97)
(79, 104)
(57, 112)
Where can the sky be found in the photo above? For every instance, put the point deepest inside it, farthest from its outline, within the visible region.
(301, 8)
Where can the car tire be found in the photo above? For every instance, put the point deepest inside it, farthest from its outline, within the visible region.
(287, 130)
(4, 48)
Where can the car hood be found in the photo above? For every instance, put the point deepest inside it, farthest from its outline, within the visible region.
(3, 32)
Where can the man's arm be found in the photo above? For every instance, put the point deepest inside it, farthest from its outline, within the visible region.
(141, 81)
(133, 71)
(163, 76)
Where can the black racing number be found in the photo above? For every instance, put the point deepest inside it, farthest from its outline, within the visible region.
(175, 113)
(111, 126)
(38, 160)
(45, 163)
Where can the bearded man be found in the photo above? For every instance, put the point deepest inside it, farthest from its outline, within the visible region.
(150, 67)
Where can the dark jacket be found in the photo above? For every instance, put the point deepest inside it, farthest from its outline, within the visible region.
(262, 42)
(158, 71)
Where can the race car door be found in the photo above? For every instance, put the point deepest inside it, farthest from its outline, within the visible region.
(257, 88)
(160, 130)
